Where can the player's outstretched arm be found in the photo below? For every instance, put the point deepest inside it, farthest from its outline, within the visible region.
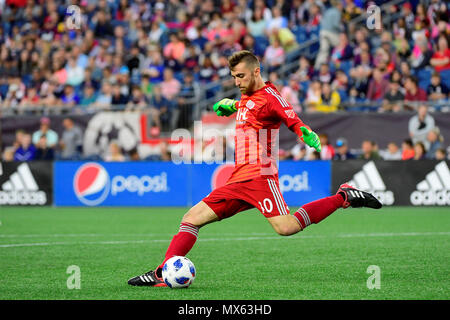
(310, 138)
(225, 107)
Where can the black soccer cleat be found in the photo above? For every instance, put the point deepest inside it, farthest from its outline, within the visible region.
(356, 198)
(149, 279)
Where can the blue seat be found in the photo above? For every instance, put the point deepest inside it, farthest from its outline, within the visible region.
(445, 77)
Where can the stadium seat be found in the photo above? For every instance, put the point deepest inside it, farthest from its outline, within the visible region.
(445, 77)
(424, 77)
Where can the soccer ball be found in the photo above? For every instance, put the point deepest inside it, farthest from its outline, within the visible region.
(178, 272)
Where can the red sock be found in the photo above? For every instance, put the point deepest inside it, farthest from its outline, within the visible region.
(182, 242)
(316, 211)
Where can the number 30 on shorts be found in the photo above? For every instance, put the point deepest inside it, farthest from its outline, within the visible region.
(266, 205)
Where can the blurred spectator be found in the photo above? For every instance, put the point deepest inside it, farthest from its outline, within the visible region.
(278, 21)
(207, 71)
(43, 151)
(286, 37)
(407, 149)
(440, 154)
(324, 74)
(31, 99)
(50, 135)
(313, 156)
(118, 98)
(8, 154)
(133, 155)
(137, 100)
(437, 91)
(342, 52)
(26, 150)
(170, 87)
(155, 69)
(164, 151)
(115, 153)
(69, 97)
(441, 57)
(161, 110)
(420, 124)
(15, 94)
(329, 99)
(185, 102)
(298, 152)
(421, 54)
(75, 73)
(313, 95)
(435, 142)
(369, 151)
(340, 83)
(71, 141)
(392, 152)
(291, 93)
(327, 152)
(419, 151)
(413, 92)
(330, 27)
(274, 55)
(378, 86)
(393, 98)
(342, 151)
(305, 71)
(174, 52)
(104, 99)
(351, 11)
(257, 24)
(89, 96)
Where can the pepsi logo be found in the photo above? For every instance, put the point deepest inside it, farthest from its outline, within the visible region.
(221, 175)
(91, 184)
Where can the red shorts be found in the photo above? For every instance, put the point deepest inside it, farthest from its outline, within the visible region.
(260, 193)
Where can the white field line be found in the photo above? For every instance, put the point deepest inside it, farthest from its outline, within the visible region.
(71, 235)
(349, 235)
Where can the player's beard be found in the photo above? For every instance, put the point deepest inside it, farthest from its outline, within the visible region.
(251, 86)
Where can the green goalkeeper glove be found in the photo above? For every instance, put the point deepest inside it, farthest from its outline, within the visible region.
(311, 138)
(225, 107)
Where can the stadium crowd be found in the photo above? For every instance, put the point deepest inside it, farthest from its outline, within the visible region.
(155, 56)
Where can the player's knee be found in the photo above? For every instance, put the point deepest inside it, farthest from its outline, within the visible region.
(191, 217)
(285, 230)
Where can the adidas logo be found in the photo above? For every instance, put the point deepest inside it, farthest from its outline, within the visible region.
(21, 188)
(369, 180)
(435, 189)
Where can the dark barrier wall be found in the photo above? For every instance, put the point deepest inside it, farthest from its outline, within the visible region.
(106, 126)
(381, 128)
(413, 183)
(26, 183)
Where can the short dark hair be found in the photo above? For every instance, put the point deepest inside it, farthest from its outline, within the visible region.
(243, 56)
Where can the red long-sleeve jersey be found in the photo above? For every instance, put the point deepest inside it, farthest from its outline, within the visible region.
(258, 119)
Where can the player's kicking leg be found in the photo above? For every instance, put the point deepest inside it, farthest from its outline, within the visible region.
(316, 211)
(198, 216)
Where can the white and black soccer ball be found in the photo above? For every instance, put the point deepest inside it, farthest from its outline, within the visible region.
(178, 272)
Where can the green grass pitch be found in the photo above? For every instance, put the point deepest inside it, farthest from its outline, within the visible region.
(237, 258)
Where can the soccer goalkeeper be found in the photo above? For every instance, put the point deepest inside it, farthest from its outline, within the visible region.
(254, 181)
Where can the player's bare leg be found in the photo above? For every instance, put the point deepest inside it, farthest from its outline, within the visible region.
(285, 225)
(198, 216)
